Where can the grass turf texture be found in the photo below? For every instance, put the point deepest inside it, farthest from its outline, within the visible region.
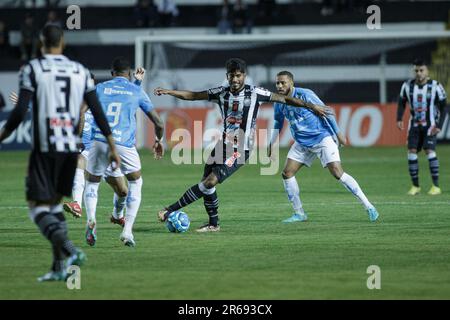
(254, 256)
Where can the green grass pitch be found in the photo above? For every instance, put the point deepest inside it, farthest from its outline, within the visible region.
(255, 256)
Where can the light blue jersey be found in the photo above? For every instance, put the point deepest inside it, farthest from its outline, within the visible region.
(307, 128)
(120, 100)
(88, 130)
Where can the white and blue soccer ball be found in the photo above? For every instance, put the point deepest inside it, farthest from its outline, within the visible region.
(178, 221)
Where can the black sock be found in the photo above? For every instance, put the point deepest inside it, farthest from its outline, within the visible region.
(49, 225)
(434, 170)
(413, 166)
(191, 195)
(67, 246)
(212, 205)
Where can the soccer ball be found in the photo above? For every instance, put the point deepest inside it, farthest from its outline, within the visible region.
(178, 221)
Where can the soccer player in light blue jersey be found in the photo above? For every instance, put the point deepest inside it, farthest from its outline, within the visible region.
(87, 127)
(313, 138)
(120, 100)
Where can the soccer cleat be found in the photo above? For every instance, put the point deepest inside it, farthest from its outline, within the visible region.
(208, 228)
(76, 259)
(163, 215)
(414, 191)
(119, 221)
(91, 234)
(434, 191)
(296, 217)
(127, 240)
(73, 208)
(373, 214)
(53, 276)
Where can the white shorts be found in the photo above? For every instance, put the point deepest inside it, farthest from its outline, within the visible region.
(326, 150)
(98, 162)
(109, 171)
(85, 154)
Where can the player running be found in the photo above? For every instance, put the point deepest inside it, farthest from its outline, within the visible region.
(119, 185)
(313, 138)
(57, 87)
(120, 100)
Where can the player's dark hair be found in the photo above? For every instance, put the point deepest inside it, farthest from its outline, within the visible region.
(286, 73)
(120, 65)
(419, 62)
(236, 64)
(51, 35)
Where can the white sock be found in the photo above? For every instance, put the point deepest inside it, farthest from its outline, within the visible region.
(293, 193)
(133, 203)
(119, 204)
(78, 186)
(90, 199)
(351, 185)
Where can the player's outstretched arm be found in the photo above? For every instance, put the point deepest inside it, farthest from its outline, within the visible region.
(317, 109)
(158, 147)
(17, 115)
(182, 94)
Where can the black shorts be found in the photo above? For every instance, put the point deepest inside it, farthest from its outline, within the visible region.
(419, 139)
(227, 164)
(50, 175)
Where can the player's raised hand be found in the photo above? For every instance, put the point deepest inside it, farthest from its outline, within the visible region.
(158, 150)
(13, 97)
(139, 74)
(161, 91)
(400, 125)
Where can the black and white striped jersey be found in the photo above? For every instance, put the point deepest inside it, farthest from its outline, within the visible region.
(58, 85)
(425, 102)
(239, 112)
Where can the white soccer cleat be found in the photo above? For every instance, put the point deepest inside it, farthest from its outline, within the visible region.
(127, 239)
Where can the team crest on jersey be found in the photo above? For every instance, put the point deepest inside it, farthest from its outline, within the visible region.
(247, 101)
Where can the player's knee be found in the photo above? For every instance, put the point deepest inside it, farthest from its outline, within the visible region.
(122, 192)
(287, 174)
(336, 171)
(210, 181)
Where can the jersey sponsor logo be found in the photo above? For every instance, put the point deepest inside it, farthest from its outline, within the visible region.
(110, 91)
(57, 122)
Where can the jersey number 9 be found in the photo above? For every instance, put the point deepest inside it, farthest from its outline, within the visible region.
(114, 111)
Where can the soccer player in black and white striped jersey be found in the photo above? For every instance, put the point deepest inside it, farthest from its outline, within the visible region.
(239, 104)
(57, 87)
(427, 100)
